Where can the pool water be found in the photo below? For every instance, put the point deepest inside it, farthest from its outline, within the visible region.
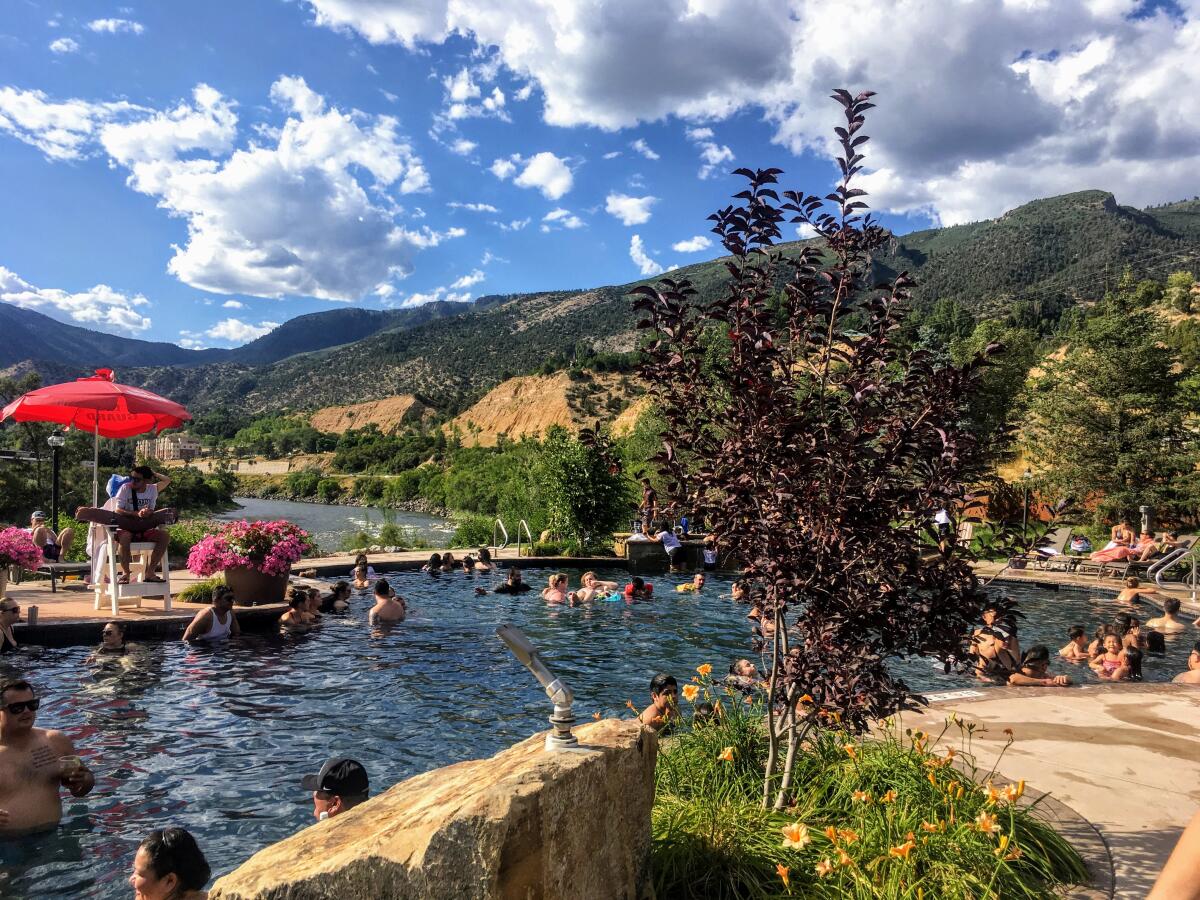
(216, 740)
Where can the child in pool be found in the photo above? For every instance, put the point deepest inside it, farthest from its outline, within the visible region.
(1076, 648)
(1110, 665)
(1034, 670)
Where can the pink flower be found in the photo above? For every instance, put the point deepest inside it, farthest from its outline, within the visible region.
(269, 547)
(18, 549)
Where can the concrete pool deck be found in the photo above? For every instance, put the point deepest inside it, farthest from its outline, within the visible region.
(1125, 757)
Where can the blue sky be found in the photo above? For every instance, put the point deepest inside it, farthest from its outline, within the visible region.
(197, 172)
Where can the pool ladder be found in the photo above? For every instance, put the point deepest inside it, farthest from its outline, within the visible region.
(499, 527)
(525, 525)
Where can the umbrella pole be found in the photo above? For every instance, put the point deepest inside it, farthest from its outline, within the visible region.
(96, 465)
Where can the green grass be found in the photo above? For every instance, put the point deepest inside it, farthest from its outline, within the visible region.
(712, 839)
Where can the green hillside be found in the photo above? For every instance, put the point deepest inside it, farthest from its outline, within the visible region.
(1043, 256)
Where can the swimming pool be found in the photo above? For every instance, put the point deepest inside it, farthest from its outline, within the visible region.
(217, 739)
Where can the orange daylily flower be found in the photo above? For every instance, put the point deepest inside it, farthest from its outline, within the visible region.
(705, 669)
(902, 851)
(823, 868)
(862, 796)
(748, 700)
(933, 828)
(844, 858)
(831, 833)
(850, 751)
(796, 836)
(783, 874)
(847, 835)
(992, 794)
(690, 692)
(932, 779)
(986, 822)
(726, 755)
(596, 715)
(806, 698)
(889, 797)
(1002, 845)
(1013, 792)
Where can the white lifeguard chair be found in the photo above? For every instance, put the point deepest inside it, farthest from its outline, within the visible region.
(106, 554)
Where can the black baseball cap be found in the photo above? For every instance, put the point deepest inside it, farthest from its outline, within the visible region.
(339, 776)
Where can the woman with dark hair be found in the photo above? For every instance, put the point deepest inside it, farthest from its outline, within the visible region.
(338, 599)
(434, 566)
(169, 866)
(1034, 670)
(295, 620)
(483, 563)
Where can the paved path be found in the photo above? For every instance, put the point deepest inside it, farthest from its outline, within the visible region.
(1127, 758)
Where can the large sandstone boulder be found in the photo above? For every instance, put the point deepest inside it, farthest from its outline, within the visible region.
(526, 824)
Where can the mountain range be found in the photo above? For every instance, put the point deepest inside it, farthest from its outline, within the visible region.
(1057, 251)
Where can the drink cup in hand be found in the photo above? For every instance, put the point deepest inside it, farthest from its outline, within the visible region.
(72, 767)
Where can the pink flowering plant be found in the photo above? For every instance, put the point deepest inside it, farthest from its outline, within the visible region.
(18, 549)
(268, 547)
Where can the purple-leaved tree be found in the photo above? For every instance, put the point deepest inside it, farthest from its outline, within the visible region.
(818, 449)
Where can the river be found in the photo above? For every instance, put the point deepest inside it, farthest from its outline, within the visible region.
(328, 523)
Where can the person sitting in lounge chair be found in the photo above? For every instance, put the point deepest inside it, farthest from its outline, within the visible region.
(1122, 545)
(54, 547)
(1155, 548)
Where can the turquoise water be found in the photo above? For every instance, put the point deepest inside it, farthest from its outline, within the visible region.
(217, 739)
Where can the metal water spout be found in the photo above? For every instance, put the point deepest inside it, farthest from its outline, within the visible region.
(561, 720)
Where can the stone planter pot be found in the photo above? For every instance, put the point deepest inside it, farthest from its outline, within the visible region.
(3, 582)
(253, 588)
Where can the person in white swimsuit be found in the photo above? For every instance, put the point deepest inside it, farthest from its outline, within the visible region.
(217, 622)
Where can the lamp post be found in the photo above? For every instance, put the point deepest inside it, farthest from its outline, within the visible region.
(1025, 477)
(56, 441)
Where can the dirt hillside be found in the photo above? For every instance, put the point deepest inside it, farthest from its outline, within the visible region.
(530, 404)
(388, 413)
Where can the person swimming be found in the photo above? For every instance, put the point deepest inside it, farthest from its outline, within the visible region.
(389, 607)
(514, 584)
(434, 566)
(1034, 670)
(296, 620)
(338, 599)
(113, 643)
(483, 562)
(363, 578)
(1076, 648)
(556, 589)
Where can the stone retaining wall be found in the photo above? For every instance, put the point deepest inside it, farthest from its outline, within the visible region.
(523, 824)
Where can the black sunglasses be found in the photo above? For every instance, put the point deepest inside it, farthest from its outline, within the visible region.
(14, 608)
(21, 705)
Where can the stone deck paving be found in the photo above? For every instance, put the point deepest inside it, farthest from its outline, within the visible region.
(1125, 757)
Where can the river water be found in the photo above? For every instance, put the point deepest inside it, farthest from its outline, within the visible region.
(328, 523)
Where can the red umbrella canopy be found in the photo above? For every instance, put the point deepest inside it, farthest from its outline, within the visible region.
(119, 410)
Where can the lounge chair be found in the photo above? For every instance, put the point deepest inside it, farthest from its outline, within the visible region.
(1052, 548)
(57, 570)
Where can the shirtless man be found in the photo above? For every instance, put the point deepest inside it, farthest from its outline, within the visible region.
(53, 546)
(1076, 648)
(1192, 675)
(664, 702)
(1168, 622)
(388, 607)
(1133, 591)
(34, 763)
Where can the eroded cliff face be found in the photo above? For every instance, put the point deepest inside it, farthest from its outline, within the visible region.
(530, 404)
(523, 824)
(388, 414)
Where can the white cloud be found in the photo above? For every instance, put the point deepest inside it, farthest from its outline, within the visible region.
(548, 173)
(561, 218)
(473, 207)
(233, 304)
(1003, 100)
(388, 95)
(462, 146)
(643, 148)
(524, 93)
(630, 210)
(98, 307)
(513, 225)
(238, 332)
(463, 98)
(503, 168)
(646, 265)
(804, 231)
(64, 45)
(448, 295)
(712, 154)
(692, 245)
(612, 154)
(467, 281)
(115, 26)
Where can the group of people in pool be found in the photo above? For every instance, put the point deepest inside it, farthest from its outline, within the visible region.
(1114, 651)
(36, 764)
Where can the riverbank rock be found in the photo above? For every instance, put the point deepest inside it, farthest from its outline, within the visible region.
(523, 824)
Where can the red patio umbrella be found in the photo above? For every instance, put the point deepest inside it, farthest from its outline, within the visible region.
(99, 405)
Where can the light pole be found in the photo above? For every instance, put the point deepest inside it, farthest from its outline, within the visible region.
(56, 441)
(1025, 477)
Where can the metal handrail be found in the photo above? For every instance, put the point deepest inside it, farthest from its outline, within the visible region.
(1167, 563)
(503, 531)
(528, 534)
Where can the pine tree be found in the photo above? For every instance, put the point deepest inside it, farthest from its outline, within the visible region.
(1107, 422)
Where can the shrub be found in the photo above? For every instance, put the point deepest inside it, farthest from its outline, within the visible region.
(882, 817)
(187, 533)
(328, 490)
(303, 483)
(472, 531)
(540, 549)
(201, 591)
